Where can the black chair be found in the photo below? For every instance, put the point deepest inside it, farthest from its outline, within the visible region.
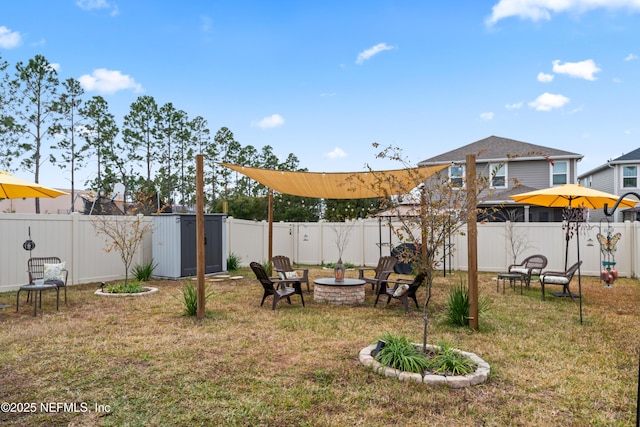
(562, 278)
(36, 270)
(403, 289)
(530, 266)
(276, 287)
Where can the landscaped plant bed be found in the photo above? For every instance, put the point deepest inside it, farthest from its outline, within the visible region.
(480, 375)
(148, 290)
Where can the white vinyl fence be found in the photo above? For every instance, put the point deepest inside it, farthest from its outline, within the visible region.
(73, 239)
(315, 243)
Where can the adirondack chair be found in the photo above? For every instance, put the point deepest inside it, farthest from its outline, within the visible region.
(281, 264)
(402, 290)
(276, 287)
(381, 272)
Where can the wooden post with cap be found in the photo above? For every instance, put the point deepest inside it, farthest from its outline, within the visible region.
(472, 240)
(200, 260)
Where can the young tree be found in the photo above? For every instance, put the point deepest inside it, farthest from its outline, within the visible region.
(71, 155)
(36, 84)
(437, 208)
(124, 234)
(518, 242)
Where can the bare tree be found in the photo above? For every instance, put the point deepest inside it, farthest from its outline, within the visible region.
(518, 242)
(124, 235)
(342, 236)
(426, 216)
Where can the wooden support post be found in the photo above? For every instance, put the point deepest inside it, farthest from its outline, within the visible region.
(472, 240)
(200, 259)
(270, 225)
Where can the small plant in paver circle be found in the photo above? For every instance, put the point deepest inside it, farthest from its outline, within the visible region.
(447, 361)
(400, 353)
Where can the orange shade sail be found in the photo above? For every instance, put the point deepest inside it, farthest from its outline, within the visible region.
(339, 185)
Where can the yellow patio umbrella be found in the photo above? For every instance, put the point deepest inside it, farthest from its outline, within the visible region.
(571, 195)
(16, 188)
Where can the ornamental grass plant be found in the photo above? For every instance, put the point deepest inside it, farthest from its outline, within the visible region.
(141, 362)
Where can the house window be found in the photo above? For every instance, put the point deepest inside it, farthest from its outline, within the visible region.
(630, 176)
(456, 175)
(560, 173)
(498, 175)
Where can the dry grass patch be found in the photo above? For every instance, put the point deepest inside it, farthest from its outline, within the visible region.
(248, 365)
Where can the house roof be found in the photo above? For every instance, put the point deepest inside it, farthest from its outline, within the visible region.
(495, 148)
(630, 157)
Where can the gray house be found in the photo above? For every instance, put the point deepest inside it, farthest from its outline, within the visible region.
(513, 167)
(618, 176)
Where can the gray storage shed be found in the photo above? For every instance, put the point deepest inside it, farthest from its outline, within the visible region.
(174, 244)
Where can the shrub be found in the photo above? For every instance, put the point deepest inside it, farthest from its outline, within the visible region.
(447, 361)
(143, 272)
(190, 298)
(233, 262)
(345, 264)
(457, 310)
(400, 353)
(267, 267)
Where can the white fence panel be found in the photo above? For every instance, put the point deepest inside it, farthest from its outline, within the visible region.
(69, 237)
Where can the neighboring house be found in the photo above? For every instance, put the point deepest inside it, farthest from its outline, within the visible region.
(58, 205)
(514, 167)
(618, 176)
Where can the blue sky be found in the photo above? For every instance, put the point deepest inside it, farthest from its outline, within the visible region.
(325, 80)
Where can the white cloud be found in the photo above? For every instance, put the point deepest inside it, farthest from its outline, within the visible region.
(582, 70)
(548, 101)
(631, 57)
(514, 106)
(617, 80)
(538, 10)
(486, 116)
(55, 66)
(9, 39)
(98, 4)
(368, 53)
(545, 78)
(108, 81)
(272, 121)
(327, 95)
(205, 23)
(336, 153)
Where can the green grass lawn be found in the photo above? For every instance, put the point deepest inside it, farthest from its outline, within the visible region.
(140, 362)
